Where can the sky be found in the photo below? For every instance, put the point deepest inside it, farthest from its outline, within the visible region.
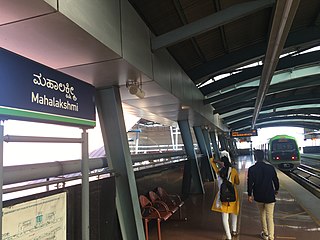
(28, 153)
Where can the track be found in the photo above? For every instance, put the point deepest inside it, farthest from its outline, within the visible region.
(308, 177)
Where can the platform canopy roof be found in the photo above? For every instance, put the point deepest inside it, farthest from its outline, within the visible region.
(250, 59)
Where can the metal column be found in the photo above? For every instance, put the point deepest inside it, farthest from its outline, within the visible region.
(215, 145)
(207, 140)
(205, 164)
(119, 159)
(85, 187)
(85, 210)
(1, 173)
(232, 148)
(222, 141)
(192, 181)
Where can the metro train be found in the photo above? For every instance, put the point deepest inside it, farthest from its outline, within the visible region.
(282, 151)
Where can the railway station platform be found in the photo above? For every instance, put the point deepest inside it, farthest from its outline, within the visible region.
(297, 214)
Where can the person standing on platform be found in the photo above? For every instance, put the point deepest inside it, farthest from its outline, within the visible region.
(226, 208)
(263, 183)
(227, 154)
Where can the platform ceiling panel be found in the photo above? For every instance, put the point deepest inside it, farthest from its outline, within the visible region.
(47, 38)
(14, 11)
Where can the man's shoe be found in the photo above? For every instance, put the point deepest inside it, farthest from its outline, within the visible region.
(264, 236)
(234, 233)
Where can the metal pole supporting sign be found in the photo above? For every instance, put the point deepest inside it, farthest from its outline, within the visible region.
(85, 187)
(1, 173)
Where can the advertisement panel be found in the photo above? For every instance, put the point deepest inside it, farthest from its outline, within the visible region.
(34, 92)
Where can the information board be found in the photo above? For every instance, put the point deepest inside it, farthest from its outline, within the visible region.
(244, 133)
(34, 92)
(39, 219)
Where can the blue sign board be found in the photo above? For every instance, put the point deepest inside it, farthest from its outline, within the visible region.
(34, 92)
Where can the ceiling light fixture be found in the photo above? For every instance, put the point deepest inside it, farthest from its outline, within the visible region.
(135, 88)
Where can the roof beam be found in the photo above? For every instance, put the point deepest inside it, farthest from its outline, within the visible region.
(284, 121)
(283, 18)
(302, 124)
(271, 103)
(217, 5)
(247, 93)
(235, 117)
(281, 87)
(316, 21)
(234, 106)
(245, 123)
(291, 99)
(247, 114)
(307, 37)
(236, 93)
(289, 62)
(250, 94)
(292, 103)
(237, 100)
(184, 20)
(208, 23)
(232, 80)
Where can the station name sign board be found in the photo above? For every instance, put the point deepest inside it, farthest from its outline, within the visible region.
(244, 133)
(34, 92)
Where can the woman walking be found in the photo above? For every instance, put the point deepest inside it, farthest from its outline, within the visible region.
(225, 170)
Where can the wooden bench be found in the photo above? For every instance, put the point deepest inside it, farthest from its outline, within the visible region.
(172, 200)
(159, 204)
(150, 212)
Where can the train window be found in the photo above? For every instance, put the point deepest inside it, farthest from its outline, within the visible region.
(283, 145)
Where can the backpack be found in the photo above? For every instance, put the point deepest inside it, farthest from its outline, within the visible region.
(227, 192)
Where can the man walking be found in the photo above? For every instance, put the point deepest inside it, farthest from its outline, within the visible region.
(264, 184)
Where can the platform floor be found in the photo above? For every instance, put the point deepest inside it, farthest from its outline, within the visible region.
(292, 219)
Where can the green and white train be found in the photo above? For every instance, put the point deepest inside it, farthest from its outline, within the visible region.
(282, 151)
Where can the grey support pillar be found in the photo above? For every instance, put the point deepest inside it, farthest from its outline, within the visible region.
(207, 141)
(232, 148)
(222, 141)
(210, 153)
(215, 145)
(192, 181)
(235, 147)
(119, 159)
(205, 163)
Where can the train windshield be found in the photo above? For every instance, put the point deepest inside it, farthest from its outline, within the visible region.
(284, 145)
